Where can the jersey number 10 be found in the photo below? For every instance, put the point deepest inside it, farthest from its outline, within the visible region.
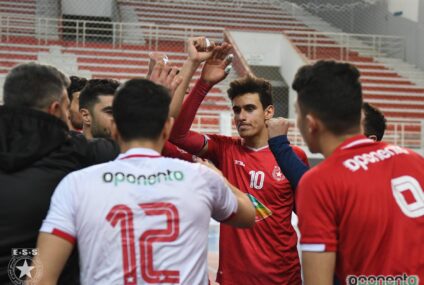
(123, 215)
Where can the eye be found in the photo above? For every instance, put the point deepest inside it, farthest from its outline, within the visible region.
(250, 108)
(236, 110)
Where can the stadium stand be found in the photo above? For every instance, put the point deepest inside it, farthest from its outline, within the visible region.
(165, 24)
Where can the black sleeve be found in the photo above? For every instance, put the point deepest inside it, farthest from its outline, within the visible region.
(291, 165)
(101, 150)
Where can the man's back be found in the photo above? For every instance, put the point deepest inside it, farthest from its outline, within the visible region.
(141, 217)
(366, 201)
(266, 254)
(36, 152)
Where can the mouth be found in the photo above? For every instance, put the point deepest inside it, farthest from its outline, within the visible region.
(243, 126)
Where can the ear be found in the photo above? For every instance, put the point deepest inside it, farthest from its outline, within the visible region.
(313, 124)
(86, 117)
(114, 133)
(373, 137)
(269, 112)
(54, 109)
(167, 128)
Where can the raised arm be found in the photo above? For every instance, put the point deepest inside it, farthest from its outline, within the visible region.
(288, 161)
(214, 71)
(198, 50)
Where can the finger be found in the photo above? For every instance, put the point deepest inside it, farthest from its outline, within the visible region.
(228, 69)
(164, 73)
(157, 70)
(171, 76)
(221, 54)
(175, 83)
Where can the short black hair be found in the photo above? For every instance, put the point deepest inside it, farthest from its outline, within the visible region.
(331, 91)
(34, 86)
(374, 121)
(140, 109)
(94, 88)
(251, 84)
(77, 84)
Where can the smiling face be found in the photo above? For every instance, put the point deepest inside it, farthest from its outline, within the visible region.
(250, 116)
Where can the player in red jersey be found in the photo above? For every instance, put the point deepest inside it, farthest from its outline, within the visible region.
(267, 253)
(361, 211)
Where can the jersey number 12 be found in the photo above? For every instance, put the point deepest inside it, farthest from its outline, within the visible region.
(123, 215)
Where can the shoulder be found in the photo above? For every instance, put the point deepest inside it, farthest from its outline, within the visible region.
(300, 152)
(224, 139)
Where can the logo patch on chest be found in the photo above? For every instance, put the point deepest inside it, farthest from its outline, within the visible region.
(277, 174)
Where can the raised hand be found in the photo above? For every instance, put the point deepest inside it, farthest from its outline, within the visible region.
(166, 76)
(277, 127)
(199, 49)
(216, 67)
(155, 57)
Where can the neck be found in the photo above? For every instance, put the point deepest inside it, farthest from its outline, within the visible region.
(154, 145)
(329, 142)
(87, 133)
(257, 141)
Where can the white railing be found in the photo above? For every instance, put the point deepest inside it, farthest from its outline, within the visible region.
(46, 30)
(341, 44)
(402, 132)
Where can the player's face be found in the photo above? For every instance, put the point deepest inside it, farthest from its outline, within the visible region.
(101, 117)
(74, 114)
(249, 115)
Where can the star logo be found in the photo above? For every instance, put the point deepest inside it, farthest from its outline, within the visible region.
(25, 269)
(277, 174)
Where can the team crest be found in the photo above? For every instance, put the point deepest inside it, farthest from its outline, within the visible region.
(22, 269)
(277, 174)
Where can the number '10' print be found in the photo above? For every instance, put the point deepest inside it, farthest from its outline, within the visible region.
(123, 215)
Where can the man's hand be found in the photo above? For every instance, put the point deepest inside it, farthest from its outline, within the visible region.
(166, 76)
(199, 49)
(208, 164)
(277, 127)
(215, 69)
(155, 57)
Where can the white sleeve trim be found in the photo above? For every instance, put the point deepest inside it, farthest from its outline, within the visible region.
(319, 247)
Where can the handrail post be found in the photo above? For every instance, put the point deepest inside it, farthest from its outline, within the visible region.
(7, 28)
(83, 33)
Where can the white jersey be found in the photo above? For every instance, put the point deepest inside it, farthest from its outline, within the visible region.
(141, 219)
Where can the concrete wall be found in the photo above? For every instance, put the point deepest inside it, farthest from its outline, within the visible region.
(95, 8)
(263, 49)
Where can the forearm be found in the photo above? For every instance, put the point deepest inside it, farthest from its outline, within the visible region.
(186, 73)
(318, 268)
(181, 135)
(245, 216)
(171, 150)
(290, 164)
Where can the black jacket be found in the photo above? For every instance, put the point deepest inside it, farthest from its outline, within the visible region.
(36, 152)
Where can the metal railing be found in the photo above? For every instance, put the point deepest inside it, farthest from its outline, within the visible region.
(402, 132)
(341, 45)
(82, 32)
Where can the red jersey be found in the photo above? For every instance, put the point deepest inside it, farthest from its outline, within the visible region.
(365, 202)
(267, 253)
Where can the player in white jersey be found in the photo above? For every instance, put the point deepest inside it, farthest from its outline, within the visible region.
(143, 218)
